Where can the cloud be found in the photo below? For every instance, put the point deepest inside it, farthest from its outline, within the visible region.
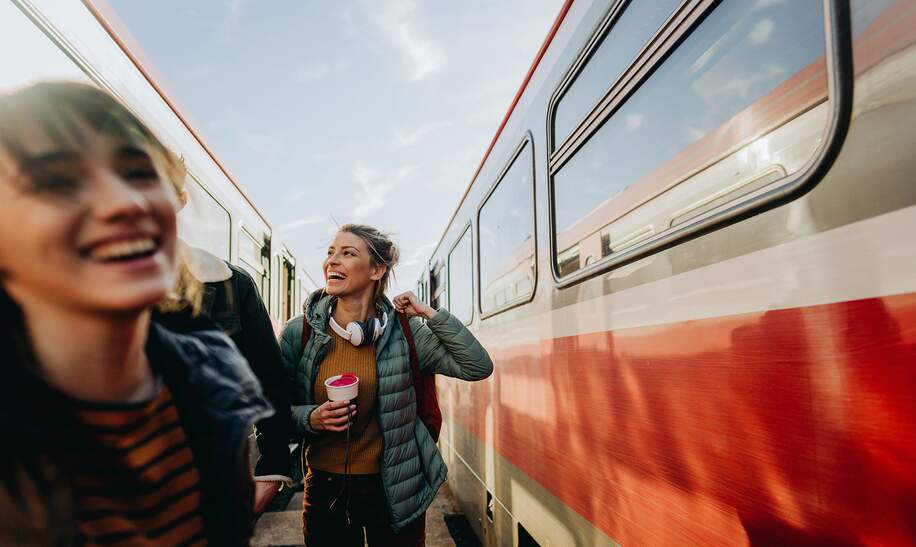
(762, 31)
(312, 73)
(307, 221)
(349, 25)
(234, 13)
(396, 21)
(405, 140)
(374, 187)
(634, 122)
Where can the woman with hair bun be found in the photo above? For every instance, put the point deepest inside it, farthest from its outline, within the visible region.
(372, 464)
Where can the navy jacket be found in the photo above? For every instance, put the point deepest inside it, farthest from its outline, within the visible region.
(218, 399)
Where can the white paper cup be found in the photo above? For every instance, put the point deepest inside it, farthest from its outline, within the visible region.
(342, 393)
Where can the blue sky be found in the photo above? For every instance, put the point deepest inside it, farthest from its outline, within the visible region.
(369, 111)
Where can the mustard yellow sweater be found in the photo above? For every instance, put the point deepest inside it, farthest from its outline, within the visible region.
(328, 451)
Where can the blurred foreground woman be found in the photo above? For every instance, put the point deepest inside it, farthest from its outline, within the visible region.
(115, 430)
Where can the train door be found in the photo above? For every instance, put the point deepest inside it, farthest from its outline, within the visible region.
(287, 287)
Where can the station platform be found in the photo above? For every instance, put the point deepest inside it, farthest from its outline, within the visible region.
(446, 525)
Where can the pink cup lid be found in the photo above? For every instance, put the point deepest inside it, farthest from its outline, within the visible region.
(346, 379)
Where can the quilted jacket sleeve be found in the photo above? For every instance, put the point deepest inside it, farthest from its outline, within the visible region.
(445, 346)
(290, 353)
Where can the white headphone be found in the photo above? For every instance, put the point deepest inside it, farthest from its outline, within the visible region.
(358, 332)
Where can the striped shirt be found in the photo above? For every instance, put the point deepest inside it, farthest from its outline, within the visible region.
(134, 477)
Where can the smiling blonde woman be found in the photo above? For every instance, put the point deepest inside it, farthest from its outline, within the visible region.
(378, 474)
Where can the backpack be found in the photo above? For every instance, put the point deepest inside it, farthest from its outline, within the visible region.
(424, 384)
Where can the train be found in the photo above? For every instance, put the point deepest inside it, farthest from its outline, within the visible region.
(84, 41)
(689, 249)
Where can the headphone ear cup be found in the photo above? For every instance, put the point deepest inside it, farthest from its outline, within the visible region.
(357, 336)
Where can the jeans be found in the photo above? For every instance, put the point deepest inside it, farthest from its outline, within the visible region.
(326, 526)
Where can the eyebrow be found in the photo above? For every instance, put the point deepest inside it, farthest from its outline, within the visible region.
(132, 152)
(344, 247)
(58, 156)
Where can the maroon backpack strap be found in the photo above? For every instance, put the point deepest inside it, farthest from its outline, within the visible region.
(306, 334)
(424, 385)
(414, 360)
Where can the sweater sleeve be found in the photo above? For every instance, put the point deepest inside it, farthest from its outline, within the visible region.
(445, 346)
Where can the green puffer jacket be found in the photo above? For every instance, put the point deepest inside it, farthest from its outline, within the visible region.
(412, 469)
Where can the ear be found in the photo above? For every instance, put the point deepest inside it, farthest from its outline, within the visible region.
(379, 272)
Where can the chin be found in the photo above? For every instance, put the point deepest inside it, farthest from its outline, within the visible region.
(132, 300)
(334, 291)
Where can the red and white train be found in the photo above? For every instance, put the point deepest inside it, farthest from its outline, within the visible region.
(691, 252)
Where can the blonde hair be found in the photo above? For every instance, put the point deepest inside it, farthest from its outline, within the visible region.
(188, 292)
(382, 251)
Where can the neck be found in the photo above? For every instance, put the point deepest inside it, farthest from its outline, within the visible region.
(91, 357)
(354, 308)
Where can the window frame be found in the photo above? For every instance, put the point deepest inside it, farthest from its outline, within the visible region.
(243, 232)
(527, 140)
(448, 270)
(232, 235)
(681, 24)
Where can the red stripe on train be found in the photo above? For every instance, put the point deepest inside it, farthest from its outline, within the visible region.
(780, 427)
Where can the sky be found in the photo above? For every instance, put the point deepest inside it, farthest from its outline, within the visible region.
(327, 112)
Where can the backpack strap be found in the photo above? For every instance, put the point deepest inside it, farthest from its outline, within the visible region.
(414, 359)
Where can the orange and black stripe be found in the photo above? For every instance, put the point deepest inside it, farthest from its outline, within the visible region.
(134, 476)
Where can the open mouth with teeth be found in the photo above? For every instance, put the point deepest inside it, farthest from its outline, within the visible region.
(124, 250)
(336, 276)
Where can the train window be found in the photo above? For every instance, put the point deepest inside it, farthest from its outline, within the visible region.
(250, 251)
(460, 279)
(737, 106)
(614, 51)
(438, 289)
(255, 258)
(506, 236)
(204, 223)
(287, 288)
(45, 61)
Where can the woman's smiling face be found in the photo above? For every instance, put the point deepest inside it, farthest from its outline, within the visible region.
(348, 268)
(91, 228)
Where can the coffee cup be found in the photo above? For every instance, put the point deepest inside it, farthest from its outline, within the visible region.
(343, 387)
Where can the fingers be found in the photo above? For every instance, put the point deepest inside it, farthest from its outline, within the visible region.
(334, 415)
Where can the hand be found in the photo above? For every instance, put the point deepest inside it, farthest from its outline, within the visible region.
(264, 492)
(409, 304)
(331, 416)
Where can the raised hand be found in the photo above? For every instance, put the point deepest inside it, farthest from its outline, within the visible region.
(409, 304)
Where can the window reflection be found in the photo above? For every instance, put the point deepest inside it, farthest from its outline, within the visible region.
(204, 223)
(616, 51)
(747, 68)
(43, 61)
(506, 237)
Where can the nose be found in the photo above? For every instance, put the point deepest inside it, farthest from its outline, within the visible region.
(113, 199)
(333, 259)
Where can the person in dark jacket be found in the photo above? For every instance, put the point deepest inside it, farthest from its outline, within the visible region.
(230, 301)
(116, 430)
